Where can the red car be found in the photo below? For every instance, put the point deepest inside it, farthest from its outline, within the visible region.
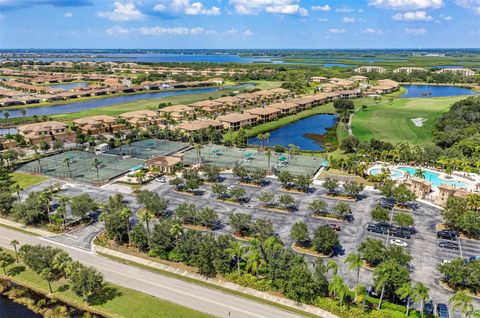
(335, 227)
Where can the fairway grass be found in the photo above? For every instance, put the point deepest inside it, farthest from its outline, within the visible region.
(26, 180)
(128, 303)
(392, 122)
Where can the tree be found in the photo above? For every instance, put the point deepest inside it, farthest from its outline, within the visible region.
(339, 289)
(354, 262)
(82, 204)
(285, 178)
(255, 260)
(331, 185)
(87, 283)
(360, 294)
(419, 173)
(5, 260)
(463, 302)
(220, 190)
(60, 263)
(96, 165)
(300, 285)
(240, 172)
(212, 173)
(241, 223)
(153, 202)
(48, 275)
(342, 210)
(207, 217)
(350, 144)
(318, 206)
(325, 239)
(403, 219)
(372, 251)
(353, 188)
(299, 233)
(236, 250)
(420, 293)
(237, 193)
(402, 195)
(15, 243)
(380, 214)
(287, 201)
(387, 188)
(263, 229)
(388, 277)
(66, 162)
(303, 182)
(267, 198)
(406, 292)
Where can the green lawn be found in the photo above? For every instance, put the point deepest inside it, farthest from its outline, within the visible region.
(26, 180)
(392, 121)
(127, 303)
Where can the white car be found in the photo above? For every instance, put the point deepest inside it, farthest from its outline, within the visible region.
(446, 261)
(398, 242)
(161, 180)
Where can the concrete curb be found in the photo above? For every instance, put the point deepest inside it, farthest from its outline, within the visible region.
(23, 227)
(234, 287)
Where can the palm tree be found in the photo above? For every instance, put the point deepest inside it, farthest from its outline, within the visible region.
(254, 258)
(14, 243)
(16, 187)
(268, 153)
(96, 164)
(332, 266)
(67, 162)
(354, 262)
(62, 209)
(126, 213)
(176, 230)
(267, 137)
(406, 291)
(198, 150)
(360, 294)
(145, 217)
(60, 262)
(473, 201)
(48, 275)
(462, 301)
(338, 288)
(383, 274)
(420, 173)
(45, 198)
(421, 295)
(236, 251)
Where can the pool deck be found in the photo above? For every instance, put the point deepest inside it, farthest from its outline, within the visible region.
(455, 177)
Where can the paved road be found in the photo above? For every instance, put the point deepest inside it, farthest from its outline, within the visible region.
(186, 294)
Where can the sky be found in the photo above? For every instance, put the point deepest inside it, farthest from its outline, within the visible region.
(247, 24)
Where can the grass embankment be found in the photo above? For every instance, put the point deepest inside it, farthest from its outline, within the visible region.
(127, 302)
(393, 121)
(25, 180)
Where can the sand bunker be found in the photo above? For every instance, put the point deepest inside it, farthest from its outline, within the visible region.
(418, 121)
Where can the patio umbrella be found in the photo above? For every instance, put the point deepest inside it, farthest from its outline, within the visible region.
(248, 154)
(216, 150)
(282, 159)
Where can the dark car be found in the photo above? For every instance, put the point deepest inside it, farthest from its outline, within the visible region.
(386, 203)
(449, 245)
(335, 227)
(447, 235)
(399, 233)
(442, 311)
(376, 229)
(428, 308)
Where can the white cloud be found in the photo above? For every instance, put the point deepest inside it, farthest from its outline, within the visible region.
(372, 31)
(344, 9)
(122, 12)
(68, 14)
(160, 7)
(117, 30)
(286, 7)
(321, 8)
(197, 8)
(445, 17)
(158, 30)
(470, 4)
(185, 7)
(336, 31)
(248, 33)
(349, 20)
(420, 31)
(322, 20)
(412, 16)
(406, 5)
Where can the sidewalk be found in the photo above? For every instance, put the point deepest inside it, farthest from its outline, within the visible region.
(25, 228)
(216, 282)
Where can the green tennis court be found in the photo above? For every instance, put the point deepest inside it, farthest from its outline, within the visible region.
(149, 148)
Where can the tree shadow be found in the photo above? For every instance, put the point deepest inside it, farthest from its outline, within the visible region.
(63, 287)
(107, 293)
(14, 271)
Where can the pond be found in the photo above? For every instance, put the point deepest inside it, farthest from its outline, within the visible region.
(8, 308)
(68, 86)
(435, 91)
(294, 133)
(103, 102)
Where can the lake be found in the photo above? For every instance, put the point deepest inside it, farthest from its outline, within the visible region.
(10, 309)
(294, 133)
(68, 86)
(435, 91)
(103, 102)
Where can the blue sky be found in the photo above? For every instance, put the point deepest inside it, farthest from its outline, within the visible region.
(239, 23)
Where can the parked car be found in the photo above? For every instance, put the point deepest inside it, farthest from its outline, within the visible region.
(446, 261)
(335, 227)
(472, 259)
(386, 203)
(398, 242)
(447, 235)
(399, 233)
(376, 229)
(449, 245)
(385, 226)
(428, 307)
(442, 311)
(161, 179)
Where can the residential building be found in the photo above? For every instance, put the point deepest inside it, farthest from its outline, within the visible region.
(142, 118)
(419, 186)
(199, 125)
(264, 114)
(236, 121)
(458, 71)
(409, 70)
(45, 131)
(95, 125)
(166, 164)
(177, 111)
(370, 69)
(286, 108)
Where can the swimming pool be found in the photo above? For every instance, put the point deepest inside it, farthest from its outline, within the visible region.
(434, 177)
(394, 174)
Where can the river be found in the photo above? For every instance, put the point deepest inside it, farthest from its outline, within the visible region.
(10, 309)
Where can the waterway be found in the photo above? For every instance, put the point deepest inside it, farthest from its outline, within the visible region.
(294, 133)
(435, 91)
(68, 86)
(10, 309)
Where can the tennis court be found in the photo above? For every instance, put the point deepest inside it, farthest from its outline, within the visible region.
(149, 148)
(78, 165)
(225, 157)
